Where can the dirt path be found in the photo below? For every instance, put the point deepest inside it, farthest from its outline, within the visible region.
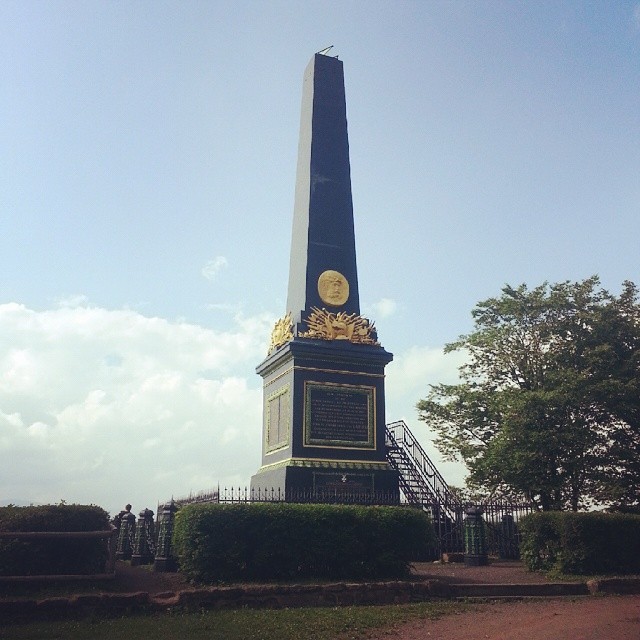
(587, 618)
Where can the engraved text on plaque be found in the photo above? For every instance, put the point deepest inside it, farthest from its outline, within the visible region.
(339, 415)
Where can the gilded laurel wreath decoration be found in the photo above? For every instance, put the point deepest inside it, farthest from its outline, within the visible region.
(324, 325)
(282, 333)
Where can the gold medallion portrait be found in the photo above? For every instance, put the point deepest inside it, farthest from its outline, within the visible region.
(333, 288)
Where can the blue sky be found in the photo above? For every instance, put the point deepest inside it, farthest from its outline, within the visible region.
(146, 192)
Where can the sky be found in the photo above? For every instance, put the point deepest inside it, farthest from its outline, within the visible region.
(147, 172)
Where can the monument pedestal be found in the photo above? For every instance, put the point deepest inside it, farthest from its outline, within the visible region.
(324, 429)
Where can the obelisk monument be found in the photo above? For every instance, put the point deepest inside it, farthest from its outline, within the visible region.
(323, 404)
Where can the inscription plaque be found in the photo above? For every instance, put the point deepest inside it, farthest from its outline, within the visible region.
(278, 419)
(339, 415)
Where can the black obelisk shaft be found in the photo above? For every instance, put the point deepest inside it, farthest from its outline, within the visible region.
(323, 232)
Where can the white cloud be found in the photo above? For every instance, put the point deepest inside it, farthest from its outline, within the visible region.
(411, 372)
(72, 301)
(384, 308)
(213, 267)
(109, 407)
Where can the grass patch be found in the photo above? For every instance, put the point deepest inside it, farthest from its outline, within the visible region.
(243, 624)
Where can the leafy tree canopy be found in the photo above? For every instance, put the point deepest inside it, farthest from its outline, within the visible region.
(548, 403)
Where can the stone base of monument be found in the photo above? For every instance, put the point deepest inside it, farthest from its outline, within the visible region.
(332, 482)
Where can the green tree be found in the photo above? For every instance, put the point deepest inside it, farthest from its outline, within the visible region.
(548, 403)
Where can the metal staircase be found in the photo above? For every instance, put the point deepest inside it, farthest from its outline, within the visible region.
(420, 482)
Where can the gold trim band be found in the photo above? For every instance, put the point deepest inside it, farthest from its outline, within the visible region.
(323, 463)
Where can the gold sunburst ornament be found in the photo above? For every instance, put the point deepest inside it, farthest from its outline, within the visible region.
(282, 332)
(324, 325)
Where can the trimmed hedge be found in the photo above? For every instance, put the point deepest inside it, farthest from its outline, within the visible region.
(53, 556)
(581, 543)
(280, 541)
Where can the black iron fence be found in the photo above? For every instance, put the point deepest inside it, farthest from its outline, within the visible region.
(152, 541)
(500, 521)
(503, 533)
(229, 495)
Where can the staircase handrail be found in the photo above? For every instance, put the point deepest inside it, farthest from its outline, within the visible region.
(399, 435)
(411, 481)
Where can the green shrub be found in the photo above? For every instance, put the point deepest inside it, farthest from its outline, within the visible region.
(278, 541)
(53, 556)
(581, 543)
